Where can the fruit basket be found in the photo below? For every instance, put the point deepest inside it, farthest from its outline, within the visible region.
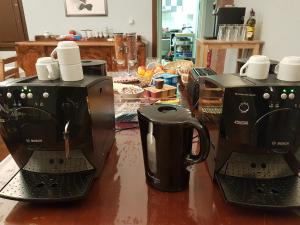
(179, 64)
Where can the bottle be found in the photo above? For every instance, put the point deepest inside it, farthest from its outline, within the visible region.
(251, 25)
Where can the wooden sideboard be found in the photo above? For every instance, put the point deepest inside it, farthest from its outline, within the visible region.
(29, 51)
(204, 46)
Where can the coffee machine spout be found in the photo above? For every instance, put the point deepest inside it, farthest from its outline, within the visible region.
(66, 138)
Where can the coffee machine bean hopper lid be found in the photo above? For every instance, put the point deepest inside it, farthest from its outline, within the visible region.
(170, 114)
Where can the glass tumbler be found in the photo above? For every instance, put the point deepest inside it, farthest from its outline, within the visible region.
(236, 32)
(131, 46)
(243, 33)
(229, 33)
(221, 33)
(120, 50)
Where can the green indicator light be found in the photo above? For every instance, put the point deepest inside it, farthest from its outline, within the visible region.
(284, 90)
(292, 90)
(25, 88)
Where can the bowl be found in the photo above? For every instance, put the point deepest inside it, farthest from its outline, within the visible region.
(131, 91)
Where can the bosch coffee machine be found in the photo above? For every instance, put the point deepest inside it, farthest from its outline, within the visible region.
(58, 134)
(254, 129)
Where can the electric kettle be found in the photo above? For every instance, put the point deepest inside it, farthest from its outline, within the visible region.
(167, 138)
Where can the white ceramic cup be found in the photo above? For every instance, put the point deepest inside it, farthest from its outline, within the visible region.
(288, 69)
(257, 67)
(47, 69)
(67, 53)
(71, 72)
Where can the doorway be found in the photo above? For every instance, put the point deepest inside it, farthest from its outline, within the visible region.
(177, 28)
(12, 24)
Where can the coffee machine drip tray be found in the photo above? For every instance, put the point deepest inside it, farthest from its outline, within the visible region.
(42, 187)
(281, 192)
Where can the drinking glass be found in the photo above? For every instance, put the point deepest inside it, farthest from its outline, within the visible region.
(221, 33)
(243, 32)
(229, 32)
(120, 48)
(89, 33)
(84, 34)
(236, 32)
(131, 50)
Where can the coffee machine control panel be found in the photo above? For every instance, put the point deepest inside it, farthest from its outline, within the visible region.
(26, 96)
(249, 111)
(42, 97)
(278, 97)
(263, 99)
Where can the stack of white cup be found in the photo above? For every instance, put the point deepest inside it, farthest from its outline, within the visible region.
(289, 69)
(68, 57)
(47, 69)
(257, 67)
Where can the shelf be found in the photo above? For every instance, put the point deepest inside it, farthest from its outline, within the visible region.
(185, 54)
(184, 43)
(183, 57)
(184, 35)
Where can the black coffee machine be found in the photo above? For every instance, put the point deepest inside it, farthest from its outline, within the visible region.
(58, 133)
(254, 129)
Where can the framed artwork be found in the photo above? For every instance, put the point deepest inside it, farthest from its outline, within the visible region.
(86, 7)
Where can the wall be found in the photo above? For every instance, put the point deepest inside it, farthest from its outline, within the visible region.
(49, 15)
(6, 54)
(277, 24)
(208, 25)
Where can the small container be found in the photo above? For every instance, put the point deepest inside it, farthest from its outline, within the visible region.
(147, 93)
(77, 37)
(170, 79)
(156, 94)
(171, 92)
(159, 83)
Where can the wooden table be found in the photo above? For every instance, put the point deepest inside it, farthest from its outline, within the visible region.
(203, 46)
(29, 51)
(121, 196)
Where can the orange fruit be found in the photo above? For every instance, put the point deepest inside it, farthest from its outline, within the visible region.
(141, 70)
(148, 74)
(158, 69)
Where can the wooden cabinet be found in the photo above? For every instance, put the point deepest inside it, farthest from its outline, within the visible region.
(28, 52)
(204, 46)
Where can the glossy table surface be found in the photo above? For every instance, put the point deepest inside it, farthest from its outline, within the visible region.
(121, 196)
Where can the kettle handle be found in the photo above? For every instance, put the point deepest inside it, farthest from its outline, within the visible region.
(204, 141)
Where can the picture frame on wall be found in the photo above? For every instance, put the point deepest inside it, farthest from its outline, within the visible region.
(86, 7)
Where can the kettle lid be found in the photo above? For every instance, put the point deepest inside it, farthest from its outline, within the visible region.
(170, 114)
